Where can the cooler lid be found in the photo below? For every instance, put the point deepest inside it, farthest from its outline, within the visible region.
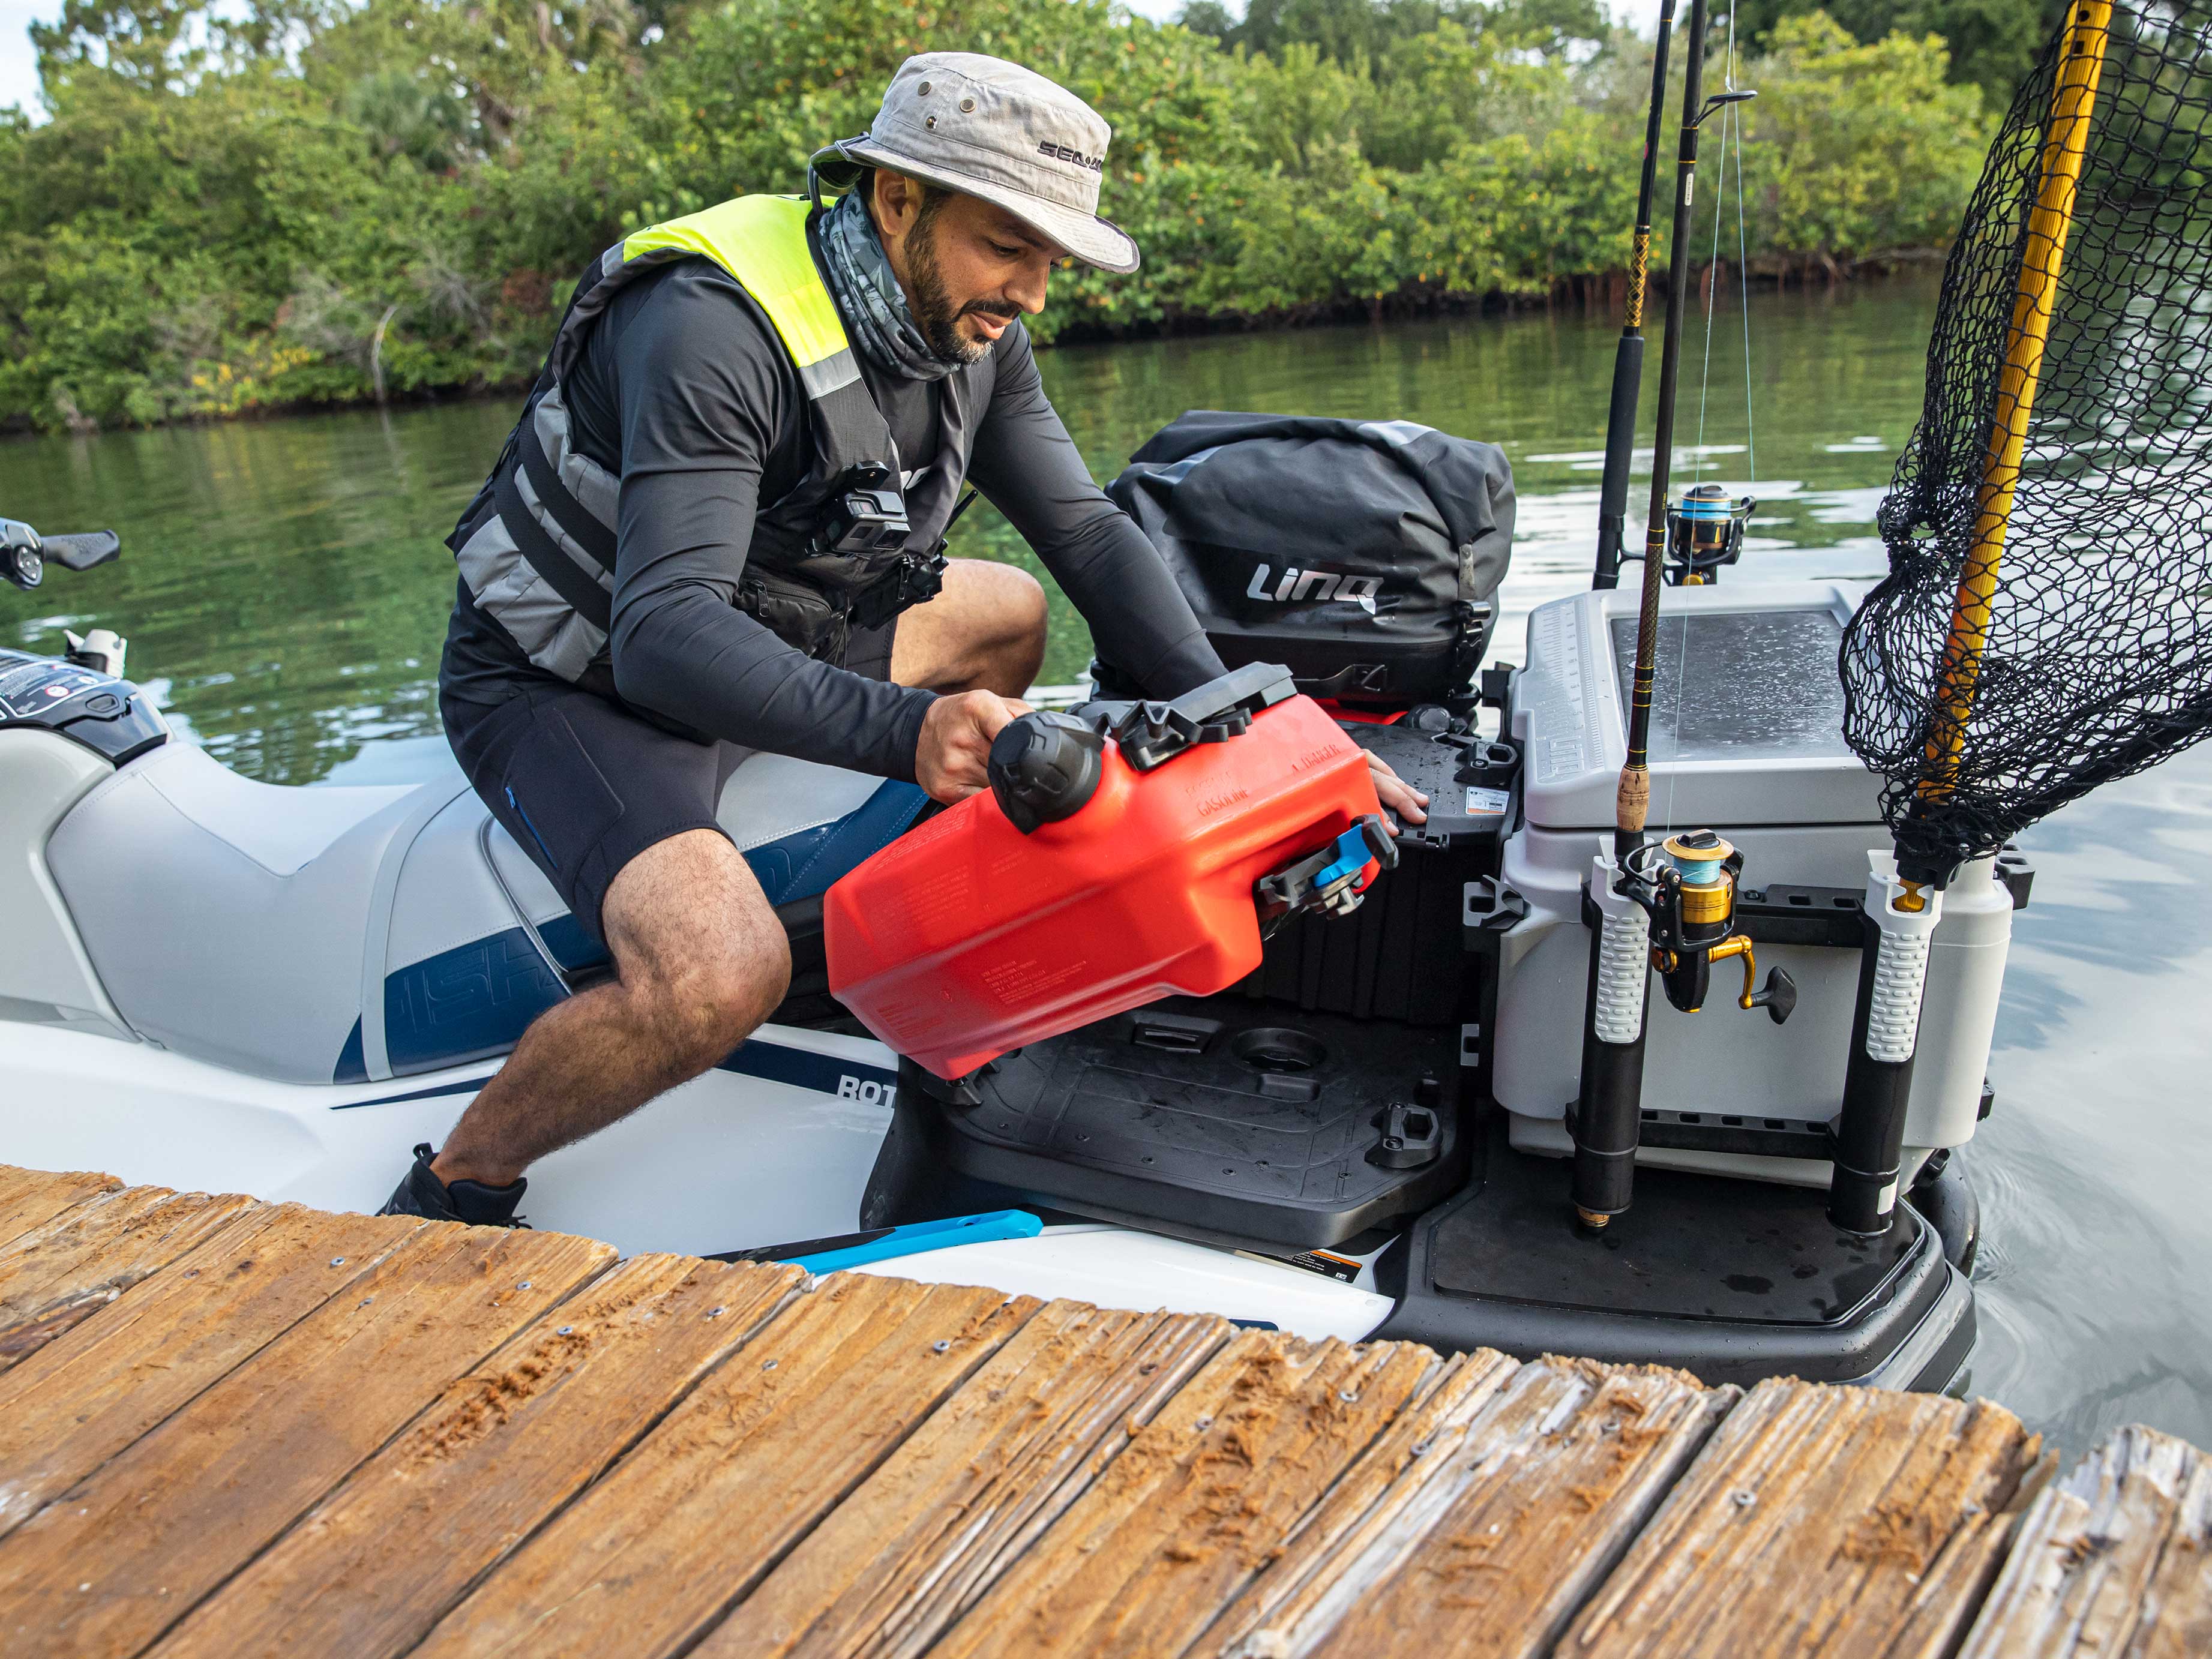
(1747, 713)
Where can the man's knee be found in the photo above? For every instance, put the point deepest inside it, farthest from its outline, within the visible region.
(1024, 606)
(698, 950)
(1011, 607)
(705, 1009)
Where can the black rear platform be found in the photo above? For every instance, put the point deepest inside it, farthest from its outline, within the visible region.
(1222, 1120)
(1263, 1128)
(1731, 1279)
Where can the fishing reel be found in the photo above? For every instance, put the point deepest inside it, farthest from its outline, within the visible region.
(1706, 533)
(1687, 886)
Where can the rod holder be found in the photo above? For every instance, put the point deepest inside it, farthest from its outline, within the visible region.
(1608, 1115)
(1900, 924)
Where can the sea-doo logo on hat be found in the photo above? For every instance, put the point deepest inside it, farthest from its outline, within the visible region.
(1061, 152)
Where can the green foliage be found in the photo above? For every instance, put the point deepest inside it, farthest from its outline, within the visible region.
(1992, 42)
(1343, 31)
(314, 197)
(1840, 141)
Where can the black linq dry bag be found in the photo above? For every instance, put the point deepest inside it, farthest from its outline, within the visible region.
(1363, 554)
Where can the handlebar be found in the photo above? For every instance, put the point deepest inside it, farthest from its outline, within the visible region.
(24, 553)
(84, 550)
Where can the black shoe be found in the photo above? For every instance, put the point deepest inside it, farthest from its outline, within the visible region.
(468, 1201)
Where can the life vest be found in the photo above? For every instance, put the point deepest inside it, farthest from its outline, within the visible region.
(536, 547)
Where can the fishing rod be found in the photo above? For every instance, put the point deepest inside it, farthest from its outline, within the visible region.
(1905, 893)
(1628, 355)
(1670, 907)
(1634, 797)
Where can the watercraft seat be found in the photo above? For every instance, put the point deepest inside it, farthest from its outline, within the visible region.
(354, 933)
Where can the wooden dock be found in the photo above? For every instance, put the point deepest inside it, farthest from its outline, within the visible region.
(230, 1427)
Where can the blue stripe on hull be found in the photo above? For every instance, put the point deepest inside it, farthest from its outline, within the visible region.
(772, 1062)
(802, 1068)
(475, 1001)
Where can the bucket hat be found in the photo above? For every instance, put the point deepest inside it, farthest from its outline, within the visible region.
(987, 128)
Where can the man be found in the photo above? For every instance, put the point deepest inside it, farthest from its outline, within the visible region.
(669, 565)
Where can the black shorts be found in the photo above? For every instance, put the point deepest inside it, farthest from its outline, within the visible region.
(584, 786)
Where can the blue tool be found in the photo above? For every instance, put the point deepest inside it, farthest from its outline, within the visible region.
(920, 1235)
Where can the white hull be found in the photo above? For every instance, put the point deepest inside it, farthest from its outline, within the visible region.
(727, 1162)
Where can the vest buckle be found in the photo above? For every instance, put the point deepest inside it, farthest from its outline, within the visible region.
(914, 578)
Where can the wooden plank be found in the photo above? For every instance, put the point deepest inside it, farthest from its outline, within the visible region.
(129, 1550)
(56, 1276)
(1199, 1502)
(2116, 1560)
(709, 1503)
(994, 1466)
(29, 1197)
(1811, 1521)
(77, 1403)
(1528, 1491)
(375, 1565)
(1391, 1489)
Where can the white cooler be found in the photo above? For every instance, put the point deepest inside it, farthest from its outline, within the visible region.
(1755, 750)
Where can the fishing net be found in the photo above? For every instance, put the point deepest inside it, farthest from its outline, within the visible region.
(2004, 668)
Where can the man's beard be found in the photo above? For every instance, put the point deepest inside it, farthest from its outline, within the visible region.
(934, 312)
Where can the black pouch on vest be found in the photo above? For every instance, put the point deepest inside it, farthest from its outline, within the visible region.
(1363, 554)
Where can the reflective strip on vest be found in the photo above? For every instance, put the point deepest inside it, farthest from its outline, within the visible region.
(761, 241)
(552, 633)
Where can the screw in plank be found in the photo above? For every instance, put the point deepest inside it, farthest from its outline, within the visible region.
(768, 1365)
(938, 1347)
(716, 1313)
(1743, 1500)
(1348, 1396)
(524, 1285)
(566, 1330)
(338, 1261)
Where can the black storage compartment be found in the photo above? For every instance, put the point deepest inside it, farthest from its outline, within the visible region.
(1402, 955)
(1214, 1118)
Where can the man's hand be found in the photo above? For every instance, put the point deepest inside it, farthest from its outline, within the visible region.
(1396, 795)
(951, 762)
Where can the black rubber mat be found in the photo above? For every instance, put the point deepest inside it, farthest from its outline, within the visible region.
(1214, 1117)
(1698, 1247)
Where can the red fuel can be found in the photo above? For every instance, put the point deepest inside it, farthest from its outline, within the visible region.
(1110, 866)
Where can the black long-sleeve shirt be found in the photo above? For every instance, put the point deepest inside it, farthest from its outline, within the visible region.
(683, 389)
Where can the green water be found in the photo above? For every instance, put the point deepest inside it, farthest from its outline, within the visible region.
(285, 584)
(284, 591)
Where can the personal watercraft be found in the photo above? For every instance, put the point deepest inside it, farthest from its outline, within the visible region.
(213, 982)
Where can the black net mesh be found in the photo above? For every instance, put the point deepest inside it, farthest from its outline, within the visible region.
(2095, 659)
